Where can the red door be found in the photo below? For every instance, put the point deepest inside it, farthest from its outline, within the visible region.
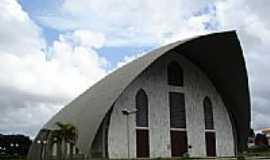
(142, 146)
(210, 140)
(178, 143)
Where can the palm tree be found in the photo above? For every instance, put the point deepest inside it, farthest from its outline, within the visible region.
(65, 134)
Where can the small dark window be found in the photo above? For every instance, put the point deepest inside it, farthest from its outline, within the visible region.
(177, 110)
(142, 109)
(175, 74)
(178, 143)
(210, 140)
(142, 143)
(208, 113)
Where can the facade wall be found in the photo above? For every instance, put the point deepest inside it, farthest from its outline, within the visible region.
(154, 82)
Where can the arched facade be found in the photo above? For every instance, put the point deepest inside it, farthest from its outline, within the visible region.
(176, 114)
(204, 62)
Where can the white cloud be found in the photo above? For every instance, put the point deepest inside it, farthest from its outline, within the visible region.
(71, 68)
(194, 26)
(18, 34)
(125, 22)
(37, 80)
(88, 39)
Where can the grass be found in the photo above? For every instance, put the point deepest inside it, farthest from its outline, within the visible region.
(257, 153)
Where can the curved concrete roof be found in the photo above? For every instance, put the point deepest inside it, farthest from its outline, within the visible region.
(219, 55)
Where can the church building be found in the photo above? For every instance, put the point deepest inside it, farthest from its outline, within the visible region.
(188, 98)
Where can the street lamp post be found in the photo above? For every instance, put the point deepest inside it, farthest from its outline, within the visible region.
(127, 112)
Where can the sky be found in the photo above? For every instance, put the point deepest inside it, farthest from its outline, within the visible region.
(53, 50)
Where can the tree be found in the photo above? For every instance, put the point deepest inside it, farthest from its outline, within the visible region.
(14, 144)
(64, 135)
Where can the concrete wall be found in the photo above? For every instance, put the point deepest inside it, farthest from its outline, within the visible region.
(154, 81)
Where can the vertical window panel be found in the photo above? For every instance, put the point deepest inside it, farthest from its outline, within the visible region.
(177, 110)
(142, 109)
(208, 113)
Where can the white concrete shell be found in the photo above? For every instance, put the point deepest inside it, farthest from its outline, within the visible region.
(218, 56)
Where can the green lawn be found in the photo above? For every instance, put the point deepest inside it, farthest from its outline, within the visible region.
(258, 152)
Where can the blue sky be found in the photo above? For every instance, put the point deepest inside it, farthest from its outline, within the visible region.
(39, 8)
(53, 50)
